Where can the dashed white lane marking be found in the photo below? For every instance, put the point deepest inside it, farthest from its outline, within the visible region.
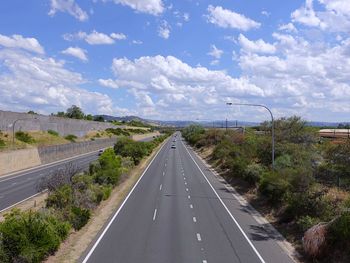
(191, 206)
(165, 164)
(199, 237)
(14, 183)
(163, 173)
(194, 219)
(189, 197)
(185, 183)
(186, 189)
(160, 187)
(204, 261)
(155, 214)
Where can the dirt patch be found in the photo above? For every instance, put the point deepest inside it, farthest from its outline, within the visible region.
(138, 137)
(75, 245)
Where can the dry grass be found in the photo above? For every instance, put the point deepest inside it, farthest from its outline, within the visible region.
(75, 245)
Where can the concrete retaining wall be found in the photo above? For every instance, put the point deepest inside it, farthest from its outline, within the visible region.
(63, 126)
(18, 160)
(53, 153)
(13, 161)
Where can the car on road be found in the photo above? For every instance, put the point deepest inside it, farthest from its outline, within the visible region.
(173, 146)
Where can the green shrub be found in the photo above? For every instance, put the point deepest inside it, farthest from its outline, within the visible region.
(2, 143)
(79, 217)
(52, 132)
(253, 173)
(24, 137)
(30, 236)
(305, 222)
(60, 198)
(71, 137)
(340, 229)
(273, 186)
(110, 168)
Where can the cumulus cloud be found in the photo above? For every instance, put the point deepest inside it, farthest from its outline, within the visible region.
(167, 83)
(152, 7)
(95, 38)
(288, 28)
(229, 19)
(20, 42)
(76, 52)
(68, 6)
(259, 46)
(333, 16)
(43, 84)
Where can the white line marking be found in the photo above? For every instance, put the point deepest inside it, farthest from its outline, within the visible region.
(194, 219)
(43, 166)
(165, 164)
(185, 183)
(204, 261)
(160, 187)
(189, 197)
(163, 173)
(228, 211)
(155, 214)
(191, 206)
(186, 189)
(21, 201)
(14, 183)
(199, 237)
(120, 208)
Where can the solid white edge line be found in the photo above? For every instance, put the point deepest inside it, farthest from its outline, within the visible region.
(38, 168)
(9, 207)
(228, 211)
(155, 214)
(120, 208)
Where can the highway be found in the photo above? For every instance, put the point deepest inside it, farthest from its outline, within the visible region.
(22, 185)
(179, 212)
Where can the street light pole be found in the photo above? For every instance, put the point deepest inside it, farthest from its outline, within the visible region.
(13, 129)
(272, 125)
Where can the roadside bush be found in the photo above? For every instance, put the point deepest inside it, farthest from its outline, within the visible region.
(110, 168)
(340, 229)
(126, 147)
(2, 143)
(60, 198)
(71, 137)
(30, 236)
(273, 187)
(52, 132)
(306, 222)
(79, 217)
(253, 173)
(24, 137)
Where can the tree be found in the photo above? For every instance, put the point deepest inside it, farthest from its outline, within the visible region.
(89, 117)
(32, 112)
(74, 112)
(99, 118)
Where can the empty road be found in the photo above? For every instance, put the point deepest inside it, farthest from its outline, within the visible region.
(178, 212)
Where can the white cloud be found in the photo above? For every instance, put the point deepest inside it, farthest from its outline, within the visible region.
(76, 52)
(68, 6)
(265, 13)
(228, 19)
(137, 42)
(288, 28)
(95, 38)
(332, 16)
(118, 36)
(164, 30)
(166, 84)
(306, 15)
(259, 46)
(152, 7)
(215, 52)
(18, 41)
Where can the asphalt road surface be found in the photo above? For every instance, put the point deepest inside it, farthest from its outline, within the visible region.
(23, 185)
(178, 212)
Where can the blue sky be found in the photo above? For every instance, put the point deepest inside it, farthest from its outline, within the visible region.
(177, 59)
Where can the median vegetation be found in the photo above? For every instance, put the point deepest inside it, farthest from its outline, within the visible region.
(307, 189)
(72, 197)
